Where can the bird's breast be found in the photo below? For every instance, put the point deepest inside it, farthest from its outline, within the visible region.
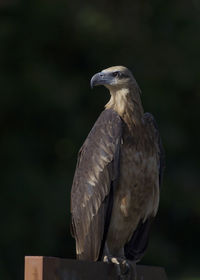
(138, 189)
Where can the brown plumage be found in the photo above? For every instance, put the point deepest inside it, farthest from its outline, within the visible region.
(115, 192)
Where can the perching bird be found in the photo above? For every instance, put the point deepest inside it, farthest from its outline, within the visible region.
(116, 186)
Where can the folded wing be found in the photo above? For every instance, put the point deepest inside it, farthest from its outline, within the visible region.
(96, 174)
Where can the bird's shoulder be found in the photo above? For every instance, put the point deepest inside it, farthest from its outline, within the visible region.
(105, 133)
(108, 118)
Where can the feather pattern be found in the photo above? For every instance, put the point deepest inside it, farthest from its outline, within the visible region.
(97, 168)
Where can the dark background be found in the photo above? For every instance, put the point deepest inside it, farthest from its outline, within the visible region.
(48, 52)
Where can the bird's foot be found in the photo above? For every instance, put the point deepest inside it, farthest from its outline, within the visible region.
(126, 270)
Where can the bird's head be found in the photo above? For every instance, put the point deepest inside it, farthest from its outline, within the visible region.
(113, 78)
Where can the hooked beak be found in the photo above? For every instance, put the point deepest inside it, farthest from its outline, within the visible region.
(100, 79)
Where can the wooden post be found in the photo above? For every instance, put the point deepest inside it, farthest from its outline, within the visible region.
(50, 268)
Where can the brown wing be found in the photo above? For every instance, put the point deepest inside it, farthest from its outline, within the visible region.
(150, 118)
(96, 171)
(136, 247)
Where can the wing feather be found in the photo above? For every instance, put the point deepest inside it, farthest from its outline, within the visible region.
(97, 168)
(150, 118)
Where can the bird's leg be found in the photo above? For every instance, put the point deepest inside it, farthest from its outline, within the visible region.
(126, 270)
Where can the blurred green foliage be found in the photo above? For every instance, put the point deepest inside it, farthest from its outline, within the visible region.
(48, 52)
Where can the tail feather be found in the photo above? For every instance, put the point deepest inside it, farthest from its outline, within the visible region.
(136, 247)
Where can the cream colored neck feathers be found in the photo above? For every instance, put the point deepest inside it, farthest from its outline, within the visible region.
(127, 103)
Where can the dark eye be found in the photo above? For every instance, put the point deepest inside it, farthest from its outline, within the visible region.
(116, 74)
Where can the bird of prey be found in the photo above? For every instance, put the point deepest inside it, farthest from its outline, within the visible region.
(116, 186)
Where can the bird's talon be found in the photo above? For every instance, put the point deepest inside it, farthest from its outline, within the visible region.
(124, 267)
(115, 260)
(123, 262)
